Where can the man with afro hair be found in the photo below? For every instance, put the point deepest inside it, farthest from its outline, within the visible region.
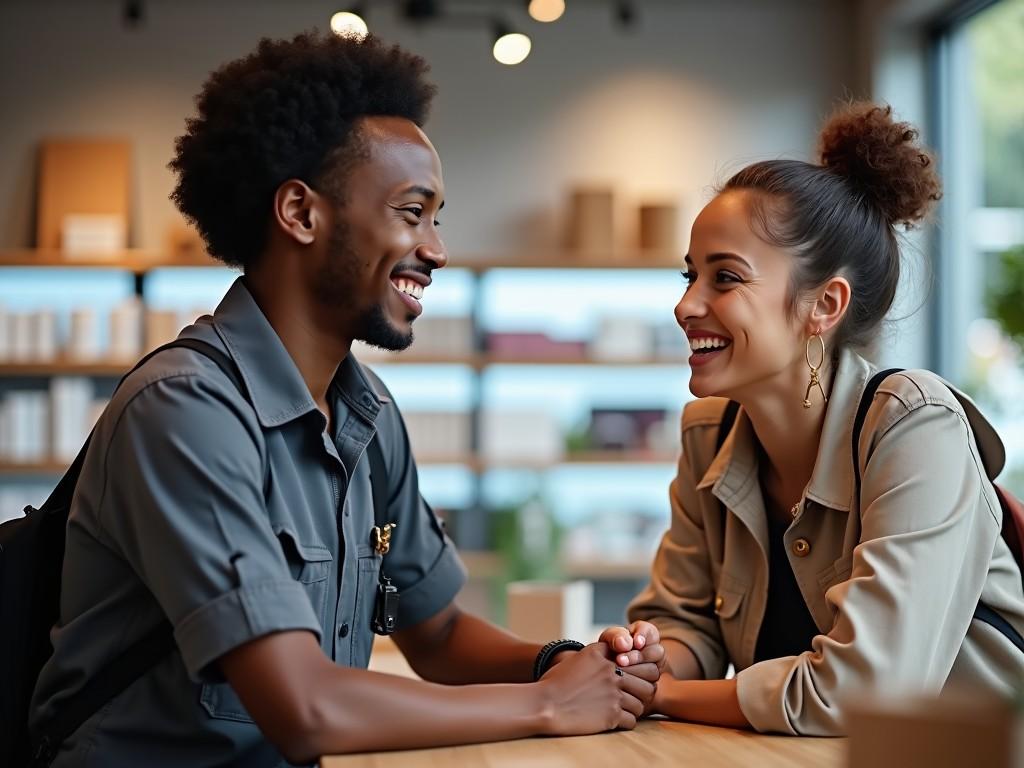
(238, 510)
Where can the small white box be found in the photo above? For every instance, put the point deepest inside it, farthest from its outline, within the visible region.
(90, 234)
(542, 611)
(83, 336)
(521, 435)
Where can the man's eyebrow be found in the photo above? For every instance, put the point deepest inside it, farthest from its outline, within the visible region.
(417, 189)
(427, 192)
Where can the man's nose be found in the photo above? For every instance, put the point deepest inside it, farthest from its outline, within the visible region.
(433, 252)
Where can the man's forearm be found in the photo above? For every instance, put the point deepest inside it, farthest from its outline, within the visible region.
(467, 649)
(401, 713)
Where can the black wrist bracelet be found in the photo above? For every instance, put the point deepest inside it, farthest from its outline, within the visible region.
(549, 651)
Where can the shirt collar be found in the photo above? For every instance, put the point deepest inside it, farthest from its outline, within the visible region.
(276, 388)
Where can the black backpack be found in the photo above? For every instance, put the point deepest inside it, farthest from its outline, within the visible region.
(31, 560)
(1013, 511)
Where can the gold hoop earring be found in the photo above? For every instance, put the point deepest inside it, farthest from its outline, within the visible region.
(815, 380)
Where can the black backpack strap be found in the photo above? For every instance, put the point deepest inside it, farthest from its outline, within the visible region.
(114, 678)
(725, 425)
(982, 612)
(858, 423)
(378, 481)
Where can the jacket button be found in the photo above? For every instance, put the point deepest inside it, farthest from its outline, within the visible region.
(801, 548)
(343, 630)
(719, 602)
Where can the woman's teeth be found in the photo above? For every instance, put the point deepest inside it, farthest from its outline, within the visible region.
(706, 342)
(408, 287)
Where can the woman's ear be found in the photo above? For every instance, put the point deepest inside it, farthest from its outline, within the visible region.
(296, 213)
(833, 299)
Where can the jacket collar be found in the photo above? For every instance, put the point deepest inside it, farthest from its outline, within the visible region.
(276, 389)
(733, 473)
(734, 470)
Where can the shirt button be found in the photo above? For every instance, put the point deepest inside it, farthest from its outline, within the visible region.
(801, 547)
(719, 602)
(343, 630)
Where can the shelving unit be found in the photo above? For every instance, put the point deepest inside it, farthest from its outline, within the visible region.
(622, 576)
(141, 262)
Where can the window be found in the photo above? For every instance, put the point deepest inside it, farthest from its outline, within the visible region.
(978, 338)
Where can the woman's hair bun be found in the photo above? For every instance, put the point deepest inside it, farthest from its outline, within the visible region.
(882, 159)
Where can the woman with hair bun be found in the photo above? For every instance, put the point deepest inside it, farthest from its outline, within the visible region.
(818, 568)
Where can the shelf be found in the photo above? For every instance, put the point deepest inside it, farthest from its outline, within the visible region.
(14, 369)
(139, 261)
(65, 368)
(35, 468)
(476, 464)
(598, 569)
(572, 260)
(622, 458)
(136, 261)
(542, 360)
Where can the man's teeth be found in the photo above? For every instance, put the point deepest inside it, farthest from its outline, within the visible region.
(706, 342)
(409, 287)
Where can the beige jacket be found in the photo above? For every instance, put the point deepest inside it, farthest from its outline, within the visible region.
(892, 586)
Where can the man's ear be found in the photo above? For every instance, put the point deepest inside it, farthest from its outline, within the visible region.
(833, 299)
(296, 212)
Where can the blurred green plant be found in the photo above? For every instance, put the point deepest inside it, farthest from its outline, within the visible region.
(529, 540)
(1005, 296)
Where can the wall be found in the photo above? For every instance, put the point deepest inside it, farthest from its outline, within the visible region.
(662, 111)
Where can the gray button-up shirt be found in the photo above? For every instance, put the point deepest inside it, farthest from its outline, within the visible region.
(232, 515)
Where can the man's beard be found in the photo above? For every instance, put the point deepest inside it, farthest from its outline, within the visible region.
(334, 287)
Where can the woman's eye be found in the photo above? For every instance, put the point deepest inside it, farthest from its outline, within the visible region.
(437, 223)
(729, 277)
(689, 277)
(414, 210)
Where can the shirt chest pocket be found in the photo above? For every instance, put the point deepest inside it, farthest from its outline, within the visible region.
(368, 567)
(309, 563)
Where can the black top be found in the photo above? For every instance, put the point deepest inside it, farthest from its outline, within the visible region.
(787, 628)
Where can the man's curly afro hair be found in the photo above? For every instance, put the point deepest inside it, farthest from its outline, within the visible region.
(285, 111)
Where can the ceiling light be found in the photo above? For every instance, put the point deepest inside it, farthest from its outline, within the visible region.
(348, 24)
(510, 47)
(546, 10)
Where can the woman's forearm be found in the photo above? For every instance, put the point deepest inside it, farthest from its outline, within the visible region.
(682, 662)
(701, 701)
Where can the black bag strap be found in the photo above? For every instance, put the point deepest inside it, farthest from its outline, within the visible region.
(725, 425)
(378, 481)
(155, 645)
(982, 612)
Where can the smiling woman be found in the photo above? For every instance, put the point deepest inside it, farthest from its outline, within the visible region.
(814, 557)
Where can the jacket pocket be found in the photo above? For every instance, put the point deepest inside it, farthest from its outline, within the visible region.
(728, 602)
(367, 578)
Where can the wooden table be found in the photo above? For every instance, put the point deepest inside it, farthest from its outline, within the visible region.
(653, 743)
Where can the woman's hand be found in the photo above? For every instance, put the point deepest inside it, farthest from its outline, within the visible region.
(586, 693)
(638, 651)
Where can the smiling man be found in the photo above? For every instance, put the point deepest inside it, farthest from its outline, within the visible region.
(233, 502)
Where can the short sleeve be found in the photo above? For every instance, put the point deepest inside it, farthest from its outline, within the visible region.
(183, 504)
